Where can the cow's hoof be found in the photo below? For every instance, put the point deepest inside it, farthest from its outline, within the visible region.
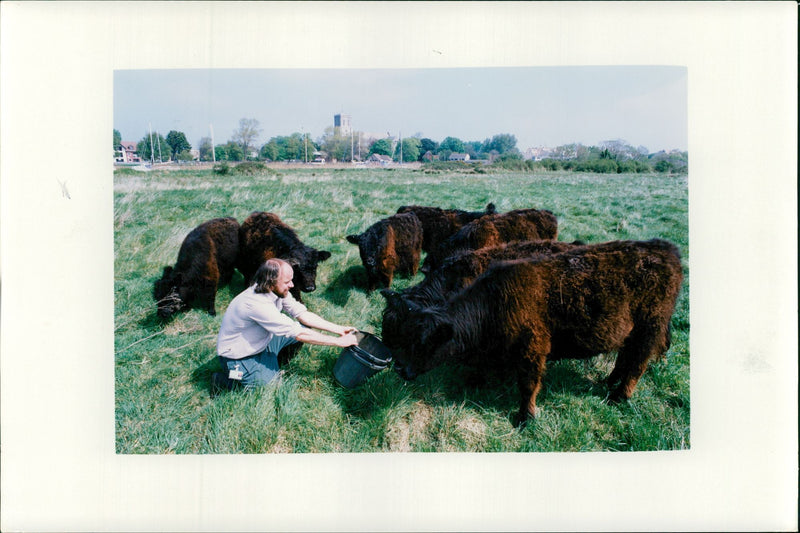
(522, 419)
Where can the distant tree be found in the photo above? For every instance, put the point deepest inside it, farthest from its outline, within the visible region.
(428, 145)
(178, 143)
(117, 139)
(411, 149)
(337, 146)
(270, 150)
(205, 149)
(293, 147)
(160, 148)
(382, 147)
(474, 149)
(185, 155)
(663, 166)
(220, 152)
(235, 152)
(247, 134)
(502, 142)
(452, 144)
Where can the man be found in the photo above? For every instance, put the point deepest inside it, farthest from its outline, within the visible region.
(261, 321)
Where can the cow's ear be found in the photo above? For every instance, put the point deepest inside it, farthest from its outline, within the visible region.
(322, 255)
(389, 294)
(355, 239)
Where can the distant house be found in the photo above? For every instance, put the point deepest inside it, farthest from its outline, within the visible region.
(379, 158)
(127, 153)
(458, 157)
(430, 156)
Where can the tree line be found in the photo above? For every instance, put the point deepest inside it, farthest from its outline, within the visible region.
(501, 150)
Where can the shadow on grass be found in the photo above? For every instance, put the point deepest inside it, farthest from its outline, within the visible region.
(453, 384)
(338, 291)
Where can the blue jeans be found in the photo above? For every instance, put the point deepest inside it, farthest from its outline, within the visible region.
(261, 368)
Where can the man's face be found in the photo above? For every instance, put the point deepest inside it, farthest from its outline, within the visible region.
(284, 282)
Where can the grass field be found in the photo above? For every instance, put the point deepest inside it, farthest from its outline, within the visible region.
(162, 371)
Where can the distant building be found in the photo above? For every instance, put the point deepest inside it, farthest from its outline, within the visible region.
(379, 158)
(458, 157)
(430, 156)
(342, 125)
(127, 153)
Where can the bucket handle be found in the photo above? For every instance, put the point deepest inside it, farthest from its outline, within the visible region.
(366, 362)
(366, 355)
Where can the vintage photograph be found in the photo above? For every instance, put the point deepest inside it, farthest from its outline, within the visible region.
(398, 266)
(472, 260)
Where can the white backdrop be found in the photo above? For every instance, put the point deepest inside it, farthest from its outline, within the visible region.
(59, 467)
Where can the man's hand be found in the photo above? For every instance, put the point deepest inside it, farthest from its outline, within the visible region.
(348, 339)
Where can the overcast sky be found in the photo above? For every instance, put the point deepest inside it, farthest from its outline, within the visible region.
(541, 106)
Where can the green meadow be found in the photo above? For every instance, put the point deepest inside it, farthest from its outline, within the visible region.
(163, 370)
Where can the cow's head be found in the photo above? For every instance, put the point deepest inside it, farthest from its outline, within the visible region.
(170, 293)
(378, 256)
(414, 334)
(304, 263)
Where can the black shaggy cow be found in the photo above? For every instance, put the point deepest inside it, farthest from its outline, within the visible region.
(438, 224)
(206, 260)
(391, 245)
(492, 230)
(617, 296)
(264, 236)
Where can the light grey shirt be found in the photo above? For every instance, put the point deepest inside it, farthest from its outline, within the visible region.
(253, 319)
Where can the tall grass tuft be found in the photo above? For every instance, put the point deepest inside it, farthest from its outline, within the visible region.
(163, 370)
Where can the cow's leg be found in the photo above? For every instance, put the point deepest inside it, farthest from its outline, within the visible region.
(643, 344)
(532, 356)
(206, 295)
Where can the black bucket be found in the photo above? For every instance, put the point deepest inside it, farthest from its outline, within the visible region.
(357, 363)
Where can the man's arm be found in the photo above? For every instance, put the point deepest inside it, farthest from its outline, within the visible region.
(313, 320)
(310, 336)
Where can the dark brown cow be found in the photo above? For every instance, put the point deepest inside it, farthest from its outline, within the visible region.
(265, 236)
(206, 260)
(438, 224)
(617, 296)
(492, 230)
(391, 245)
(461, 269)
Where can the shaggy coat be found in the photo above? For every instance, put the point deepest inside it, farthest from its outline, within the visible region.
(439, 224)
(492, 230)
(206, 260)
(390, 245)
(456, 273)
(617, 296)
(265, 236)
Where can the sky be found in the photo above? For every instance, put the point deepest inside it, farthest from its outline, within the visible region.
(540, 106)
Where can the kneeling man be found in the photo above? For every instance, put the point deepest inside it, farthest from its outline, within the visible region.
(261, 321)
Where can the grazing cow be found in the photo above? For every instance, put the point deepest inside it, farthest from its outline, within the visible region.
(617, 296)
(457, 272)
(390, 245)
(492, 230)
(438, 224)
(460, 269)
(265, 236)
(206, 260)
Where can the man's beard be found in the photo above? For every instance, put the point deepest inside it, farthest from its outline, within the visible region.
(281, 295)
